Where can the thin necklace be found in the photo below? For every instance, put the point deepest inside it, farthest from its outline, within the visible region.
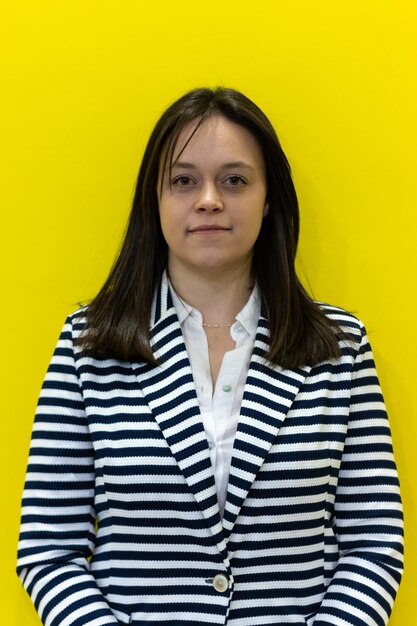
(202, 323)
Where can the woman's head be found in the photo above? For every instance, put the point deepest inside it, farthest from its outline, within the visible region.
(212, 200)
(118, 319)
(279, 232)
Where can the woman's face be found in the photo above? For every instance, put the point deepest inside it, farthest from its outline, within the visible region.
(212, 205)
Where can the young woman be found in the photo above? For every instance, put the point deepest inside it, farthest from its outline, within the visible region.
(211, 446)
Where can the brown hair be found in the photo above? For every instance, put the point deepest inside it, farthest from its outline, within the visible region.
(118, 318)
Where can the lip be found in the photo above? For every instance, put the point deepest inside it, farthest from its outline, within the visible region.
(207, 228)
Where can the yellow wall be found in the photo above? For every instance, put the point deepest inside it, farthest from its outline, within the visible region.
(82, 84)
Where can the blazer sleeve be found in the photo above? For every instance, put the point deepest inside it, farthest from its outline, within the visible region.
(58, 516)
(367, 511)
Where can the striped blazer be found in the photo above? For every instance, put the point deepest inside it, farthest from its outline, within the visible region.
(120, 519)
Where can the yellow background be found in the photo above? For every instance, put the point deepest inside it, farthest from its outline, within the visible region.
(82, 85)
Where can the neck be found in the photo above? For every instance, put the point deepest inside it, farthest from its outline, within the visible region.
(219, 296)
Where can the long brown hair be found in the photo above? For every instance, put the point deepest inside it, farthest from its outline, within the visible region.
(118, 319)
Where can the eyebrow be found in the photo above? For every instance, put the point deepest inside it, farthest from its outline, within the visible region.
(232, 164)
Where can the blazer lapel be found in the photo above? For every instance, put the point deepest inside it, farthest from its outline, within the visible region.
(268, 395)
(170, 392)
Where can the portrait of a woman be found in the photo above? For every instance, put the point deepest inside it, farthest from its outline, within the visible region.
(211, 444)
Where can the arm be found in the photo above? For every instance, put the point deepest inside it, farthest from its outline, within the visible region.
(58, 517)
(367, 511)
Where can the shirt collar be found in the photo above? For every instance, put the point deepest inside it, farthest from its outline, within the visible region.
(248, 317)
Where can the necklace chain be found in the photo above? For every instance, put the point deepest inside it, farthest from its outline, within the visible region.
(217, 325)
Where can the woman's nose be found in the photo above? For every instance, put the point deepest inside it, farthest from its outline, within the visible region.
(209, 199)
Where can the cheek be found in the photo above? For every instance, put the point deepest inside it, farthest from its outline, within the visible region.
(166, 231)
(252, 224)
(170, 224)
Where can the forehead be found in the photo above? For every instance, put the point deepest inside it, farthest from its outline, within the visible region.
(215, 136)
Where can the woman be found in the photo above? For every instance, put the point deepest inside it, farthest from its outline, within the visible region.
(210, 445)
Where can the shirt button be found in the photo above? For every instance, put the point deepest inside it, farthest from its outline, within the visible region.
(220, 583)
(227, 388)
(210, 445)
(238, 328)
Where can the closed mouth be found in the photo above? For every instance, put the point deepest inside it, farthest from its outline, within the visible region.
(206, 228)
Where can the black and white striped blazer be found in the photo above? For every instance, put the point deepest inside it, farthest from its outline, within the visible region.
(120, 520)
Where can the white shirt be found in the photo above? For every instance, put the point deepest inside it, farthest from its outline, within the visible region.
(219, 409)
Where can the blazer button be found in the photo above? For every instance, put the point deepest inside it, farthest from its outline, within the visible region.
(220, 583)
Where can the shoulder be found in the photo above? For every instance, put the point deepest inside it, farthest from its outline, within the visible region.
(350, 325)
(76, 321)
(72, 329)
(86, 363)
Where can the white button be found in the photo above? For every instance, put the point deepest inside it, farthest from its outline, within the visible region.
(238, 328)
(210, 445)
(227, 388)
(220, 583)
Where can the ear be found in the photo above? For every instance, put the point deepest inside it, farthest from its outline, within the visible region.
(266, 209)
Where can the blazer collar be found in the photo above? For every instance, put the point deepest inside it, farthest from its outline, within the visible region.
(268, 395)
(269, 392)
(170, 392)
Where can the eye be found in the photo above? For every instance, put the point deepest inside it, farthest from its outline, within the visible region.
(234, 180)
(182, 181)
